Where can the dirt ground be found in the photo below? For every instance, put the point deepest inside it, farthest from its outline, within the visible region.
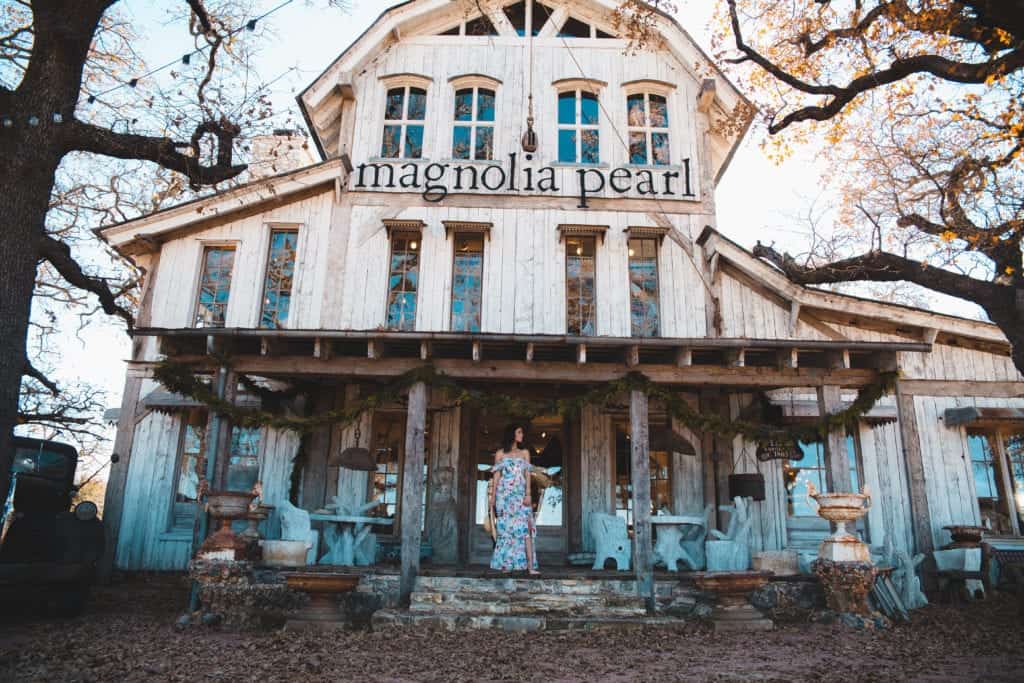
(128, 634)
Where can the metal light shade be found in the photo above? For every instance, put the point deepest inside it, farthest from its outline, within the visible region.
(357, 458)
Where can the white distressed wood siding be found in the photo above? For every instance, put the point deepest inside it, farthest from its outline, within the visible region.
(949, 478)
(523, 272)
(177, 279)
(885, 473)
(145, 541)
(279, 450)
(957, 363)
(768, 517)
(503, 59)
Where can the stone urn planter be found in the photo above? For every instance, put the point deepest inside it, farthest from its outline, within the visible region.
(846, 585)
(323, 589)
(733, 611)
(226, 507)
(841, 509)
(964, 536)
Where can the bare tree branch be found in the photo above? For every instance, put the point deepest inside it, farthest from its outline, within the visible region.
(59, 254)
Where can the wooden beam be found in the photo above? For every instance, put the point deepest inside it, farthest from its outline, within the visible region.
(941, 387)
(633, 356)
(322, 348)
(794, 317)
(837, 463)
(540, 371)
(529, 352)
(929, 335)
(218, 443)
(426, 350)
(684, 357)
(736, 358)
(581, 354)
(113, 500)
(787, 358)
(920, 513)
(478, 352)
(412, 488)
(837, 359)
(1005, 465)
(374, 349)
(643, 560)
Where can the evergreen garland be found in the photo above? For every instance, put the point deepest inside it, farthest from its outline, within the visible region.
(180, 379)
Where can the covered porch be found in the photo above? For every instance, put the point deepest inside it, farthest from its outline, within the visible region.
(630, 457)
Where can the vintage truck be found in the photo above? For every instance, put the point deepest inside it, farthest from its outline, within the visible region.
(48, 549)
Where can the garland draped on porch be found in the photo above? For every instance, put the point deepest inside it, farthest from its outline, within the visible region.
(181, 379)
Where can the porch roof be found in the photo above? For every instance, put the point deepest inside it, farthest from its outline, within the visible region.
(539, 358)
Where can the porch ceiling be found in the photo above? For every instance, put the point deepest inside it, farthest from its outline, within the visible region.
(536, 358)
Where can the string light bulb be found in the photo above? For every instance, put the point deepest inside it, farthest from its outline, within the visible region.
(8, 122)
(33, 120)
(58, 117)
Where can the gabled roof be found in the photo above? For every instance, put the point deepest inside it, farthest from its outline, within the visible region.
(927, 324)
(321, 101)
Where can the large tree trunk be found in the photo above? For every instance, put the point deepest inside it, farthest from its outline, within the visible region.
(26, 178)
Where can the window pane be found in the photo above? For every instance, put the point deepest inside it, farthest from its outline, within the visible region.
(637, 148)
(417, 104)
(461, 142)
(1015, 454)
(403, 282)
(517, 16)
(567, 108)
(635, 110)
(541, 14)
(485, 105)
(851, 455)
(643, 289)
(590, 146)
(589, 109)
(481, 26)
(467, 284)
(277, 288)
(390, 147)
(395, 104)
(243, 461)
(567, 146)
(659, 112)
(413, 142)
(982, 463)
(574, 28)
(214, 286)
(661, 151)
(579, 262)
(484, 143)
(464, 105)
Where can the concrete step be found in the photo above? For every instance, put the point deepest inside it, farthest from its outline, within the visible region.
(455, 584)
(527, 603)
(452, 621)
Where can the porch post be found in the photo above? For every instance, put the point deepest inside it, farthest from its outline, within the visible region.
(412, 488)
(913, 458)
(837, 463)
(640, 450)
(113, 502)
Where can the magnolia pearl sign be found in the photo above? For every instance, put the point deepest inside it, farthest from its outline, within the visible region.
(437, 180)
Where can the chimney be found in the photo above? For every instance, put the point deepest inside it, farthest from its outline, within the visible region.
(284, 151)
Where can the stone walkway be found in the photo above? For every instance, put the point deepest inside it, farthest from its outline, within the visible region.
(129, 634)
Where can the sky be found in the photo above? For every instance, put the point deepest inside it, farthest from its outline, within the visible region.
(756, 199)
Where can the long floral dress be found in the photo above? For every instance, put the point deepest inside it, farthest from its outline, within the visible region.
(513, 517)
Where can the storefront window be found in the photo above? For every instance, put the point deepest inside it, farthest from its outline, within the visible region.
(661, 482)
(810, 469)
(243, 459)
(389, 451)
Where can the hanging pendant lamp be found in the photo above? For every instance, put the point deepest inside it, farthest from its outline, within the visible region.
(357, 458)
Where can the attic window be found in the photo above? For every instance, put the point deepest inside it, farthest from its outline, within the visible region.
(574, 28)
(523, 22)
(453, 31)
(517, 16)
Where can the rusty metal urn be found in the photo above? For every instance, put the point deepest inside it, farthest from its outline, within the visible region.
(841, 509)
(226, 506)
(322, 589)
(733, 611)
(964, 536)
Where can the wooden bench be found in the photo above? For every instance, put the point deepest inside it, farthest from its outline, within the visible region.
(954, 583)
(1011, 571)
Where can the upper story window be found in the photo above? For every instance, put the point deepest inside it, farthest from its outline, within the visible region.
(403, 274)
(579, 134)
(580, 277)
(648, 120)
(214, 286)
(277, 286)
(467, 274)
(405, 112)
(643, 286)
(473, 132)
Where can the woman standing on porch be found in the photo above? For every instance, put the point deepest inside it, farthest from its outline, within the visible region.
(510, 499)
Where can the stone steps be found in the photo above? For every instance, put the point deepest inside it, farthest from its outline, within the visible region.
(454, 584)
(484, 602)
(453, 621)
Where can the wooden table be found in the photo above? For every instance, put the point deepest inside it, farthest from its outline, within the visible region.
(347, 532)
(672, 532)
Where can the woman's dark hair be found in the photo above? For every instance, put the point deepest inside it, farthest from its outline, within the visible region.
(509, 437)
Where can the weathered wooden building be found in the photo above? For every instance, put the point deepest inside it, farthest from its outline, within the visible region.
(428, 234)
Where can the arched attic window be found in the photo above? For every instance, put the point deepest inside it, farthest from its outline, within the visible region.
(478, 26)
(579, 120)
(647, 118)
(474, 116)
(405, 113)
(528, 16)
